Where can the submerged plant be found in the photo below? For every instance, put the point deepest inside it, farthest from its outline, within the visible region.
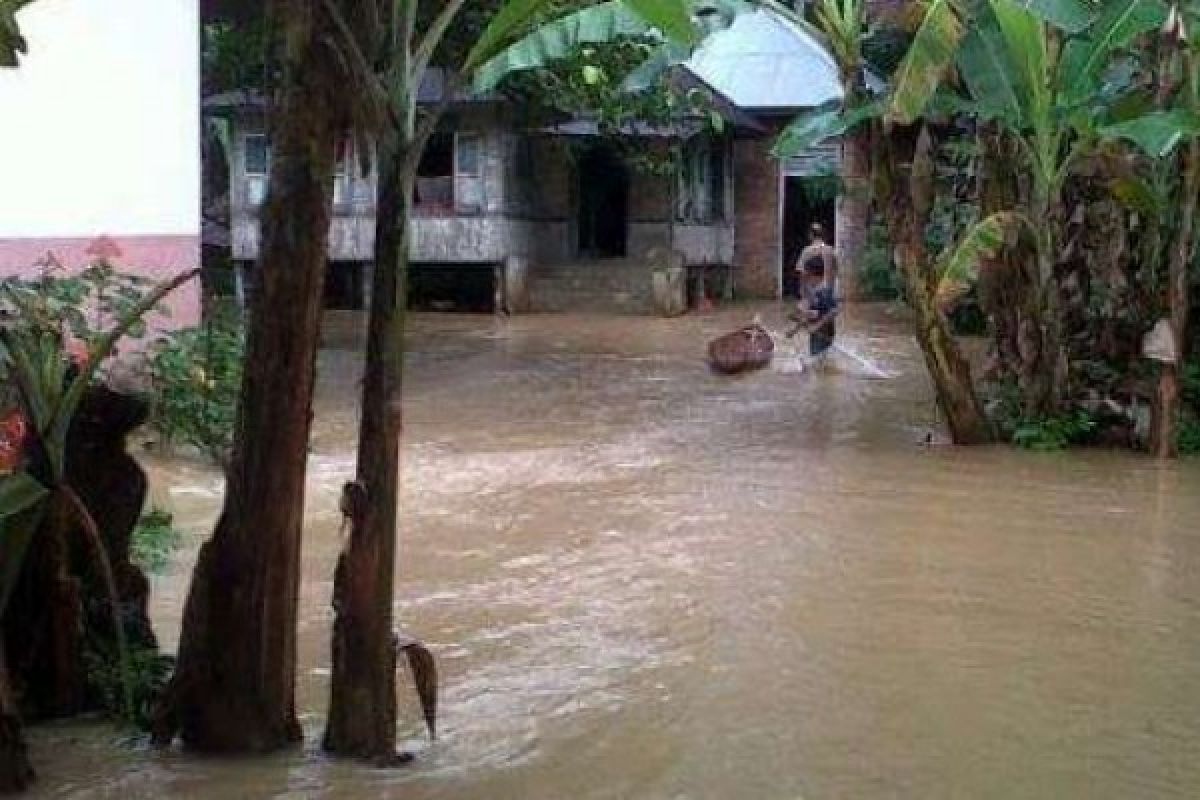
(1055, 433)
(154, 540)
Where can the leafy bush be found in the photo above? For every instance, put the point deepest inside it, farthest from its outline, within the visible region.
(146, 674)
(153, 541)
(877, 274)
(1191, 385)
(195, 375)
(1189, 436)
(1054, 433)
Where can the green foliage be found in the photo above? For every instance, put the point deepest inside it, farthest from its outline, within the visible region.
(1191, 384)
(154, 540)
(1054, 433)
(878, 277)
(145, 674)
(12, 43)
(195, 376)
(1189, 435)
(236, 55)
(36, 356)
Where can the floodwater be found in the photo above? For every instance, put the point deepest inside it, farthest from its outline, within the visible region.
(646, 581)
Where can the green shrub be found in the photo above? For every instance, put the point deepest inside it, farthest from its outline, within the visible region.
(878, 275)
(153, 541)
(1189, 435)
(195, 375)
(148, 672)
(1054, 433)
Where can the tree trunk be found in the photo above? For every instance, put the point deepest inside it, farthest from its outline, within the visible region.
(15, 771)
(908, 206)
(362, 713)
(853, 211)
(1164, 439)
(234, 685)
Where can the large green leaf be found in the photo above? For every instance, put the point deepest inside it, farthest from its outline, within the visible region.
(498, 56)
(1071, 16)
(985, 240)
(1157, 133)
(929, 57)
(1117, 24)
(671, 17)
(21, 509)
(558, 39)
(819, 125)
(1026, 43)
(995, 85)
(12, 43)
(509, 22)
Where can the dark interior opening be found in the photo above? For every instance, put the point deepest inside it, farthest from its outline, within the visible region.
(463, 288)
(806, 200)
(344, 286)
(603, 204)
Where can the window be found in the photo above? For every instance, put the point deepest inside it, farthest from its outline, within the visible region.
(718, 194)
(435, 175)
(450, 176)
(258, 168)
(342, 172)
(702, 183)
(468, 172)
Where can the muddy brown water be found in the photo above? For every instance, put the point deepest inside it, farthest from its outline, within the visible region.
(645, 581)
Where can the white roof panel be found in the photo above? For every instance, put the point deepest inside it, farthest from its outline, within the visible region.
(765, 62)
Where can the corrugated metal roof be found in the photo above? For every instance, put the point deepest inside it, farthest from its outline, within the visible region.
(766, 63)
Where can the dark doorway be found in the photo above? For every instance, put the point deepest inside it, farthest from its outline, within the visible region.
(806, 200)
(603, 204)
(464, 288)
(344, 286)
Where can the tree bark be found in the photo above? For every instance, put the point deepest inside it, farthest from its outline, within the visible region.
(234, 685)
(1164, 439)
(908, 205)
(853, 211)
(16, 773)
(362, 713)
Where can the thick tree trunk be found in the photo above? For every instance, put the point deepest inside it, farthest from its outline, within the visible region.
(854, 212)
(362, 713)
(909, 204)
(15, 771)
(1164, 439)
(233, 689)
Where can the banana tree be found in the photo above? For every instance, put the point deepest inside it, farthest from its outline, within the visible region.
(390, 46)
(1170, 136)
(50, 385)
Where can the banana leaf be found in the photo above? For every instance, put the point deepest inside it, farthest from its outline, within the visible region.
(21, 508)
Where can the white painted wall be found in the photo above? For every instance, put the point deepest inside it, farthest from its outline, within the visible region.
(99, 127)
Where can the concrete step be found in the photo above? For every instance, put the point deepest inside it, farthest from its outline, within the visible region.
(622, 286)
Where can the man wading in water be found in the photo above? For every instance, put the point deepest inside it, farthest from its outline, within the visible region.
(818, 269)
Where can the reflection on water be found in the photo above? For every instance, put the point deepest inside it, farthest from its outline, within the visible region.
(646, 581)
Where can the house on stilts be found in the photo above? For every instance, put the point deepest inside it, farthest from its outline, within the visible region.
(519, 216)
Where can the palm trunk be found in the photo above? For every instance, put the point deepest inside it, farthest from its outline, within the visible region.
(234, 686)
(909, 205)
(362, 714)
(1168, 396)
(853, 211)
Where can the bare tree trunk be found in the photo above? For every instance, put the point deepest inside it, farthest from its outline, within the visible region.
(234, 686)
(1164, 438)
(362, 713)
(854, 211)
(16, 774)
(908, 206)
